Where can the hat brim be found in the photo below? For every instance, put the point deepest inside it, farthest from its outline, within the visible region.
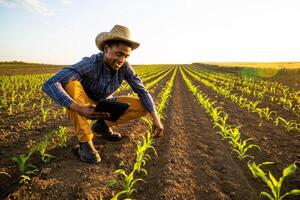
(106, 36)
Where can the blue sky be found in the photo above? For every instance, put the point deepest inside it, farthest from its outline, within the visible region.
(170, 31)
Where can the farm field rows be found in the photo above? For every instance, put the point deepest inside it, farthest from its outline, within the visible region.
(226, 137)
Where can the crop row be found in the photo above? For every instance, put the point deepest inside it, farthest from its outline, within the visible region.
(264, 113)
(241, 147)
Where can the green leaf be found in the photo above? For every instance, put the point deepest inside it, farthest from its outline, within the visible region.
(295, 192)
(145, 171)
(266, 163)
(267, 195)
(118, 194)
(289, 170)
(292, 192)
(121, 171)
(274, 181)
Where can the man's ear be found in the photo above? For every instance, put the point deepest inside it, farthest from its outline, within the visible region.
(105, 48)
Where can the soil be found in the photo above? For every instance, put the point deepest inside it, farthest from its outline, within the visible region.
(193, 161)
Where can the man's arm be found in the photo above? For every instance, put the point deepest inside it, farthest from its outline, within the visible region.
(138, 87)
(53, 87)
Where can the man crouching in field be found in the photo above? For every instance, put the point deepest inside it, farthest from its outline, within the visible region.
(80, 86)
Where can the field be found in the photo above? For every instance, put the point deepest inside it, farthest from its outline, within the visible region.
(230, 133)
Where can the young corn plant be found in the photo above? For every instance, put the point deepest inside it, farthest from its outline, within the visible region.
(147, 143)
(55, 113)
(268, 113)
(234, 137)
(289, 125)
(25, 168)
(252, 105)
(21, 106)
(44, 113)
(64, 110)
(223, 126)
(215, 113)
(42, 147)
(273, 183)
(10, 109)
(28, 124)
(62, 136)
(242, 147)
(141, 158)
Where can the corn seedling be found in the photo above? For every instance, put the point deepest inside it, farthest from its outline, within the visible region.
(65, 110)
(289, 125)
(223, 126)
(44, 113)
(42, 147)
(215, 113)
(34, 106)
(55, 113)
(141, 158)
(28, 124)
(242, 147)
(268, 113)
(273, 184)
(21, 106)
(25, 168)
(10, 109)
(234, 137)
(61, 134)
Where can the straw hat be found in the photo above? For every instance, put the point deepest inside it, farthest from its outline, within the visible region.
(118, 32)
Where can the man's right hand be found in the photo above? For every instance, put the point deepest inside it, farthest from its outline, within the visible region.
(89, 111)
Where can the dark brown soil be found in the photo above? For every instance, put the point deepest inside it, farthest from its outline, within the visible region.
(193, 161)
(14, 141)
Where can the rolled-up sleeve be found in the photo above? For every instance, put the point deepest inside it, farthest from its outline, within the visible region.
(53, 87)
(138, 87)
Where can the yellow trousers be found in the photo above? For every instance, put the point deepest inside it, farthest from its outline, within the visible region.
(82, 127)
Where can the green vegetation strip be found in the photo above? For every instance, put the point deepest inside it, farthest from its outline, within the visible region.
(241, 147)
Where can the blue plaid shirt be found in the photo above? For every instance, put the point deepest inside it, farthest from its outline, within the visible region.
(97, 80)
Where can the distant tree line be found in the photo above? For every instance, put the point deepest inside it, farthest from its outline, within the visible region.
(25, 63)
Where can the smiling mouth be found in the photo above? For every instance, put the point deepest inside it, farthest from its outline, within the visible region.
(119, 64)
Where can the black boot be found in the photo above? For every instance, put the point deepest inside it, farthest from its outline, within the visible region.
(86, 152)
(100, 127)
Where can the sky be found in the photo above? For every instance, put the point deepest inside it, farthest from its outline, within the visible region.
(169, 31)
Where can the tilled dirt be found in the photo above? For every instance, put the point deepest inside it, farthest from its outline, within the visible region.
(193, 161)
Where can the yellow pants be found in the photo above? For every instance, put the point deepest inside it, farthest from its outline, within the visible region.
(82, 127)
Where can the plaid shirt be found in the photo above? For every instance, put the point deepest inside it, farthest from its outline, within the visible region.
(97, 80)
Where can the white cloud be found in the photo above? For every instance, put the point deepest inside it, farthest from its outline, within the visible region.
(66, 2)
(8, 3)
(37, 6)
(33, 5)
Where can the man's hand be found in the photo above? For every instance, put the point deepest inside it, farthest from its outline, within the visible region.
(157, 126)
(89, 111)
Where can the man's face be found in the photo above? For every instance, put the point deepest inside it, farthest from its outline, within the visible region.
(116, 55)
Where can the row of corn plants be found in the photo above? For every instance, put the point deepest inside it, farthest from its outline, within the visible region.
(37, 102)
(264, 113)
(288, 99)
(129, 178)
(55, 138)
(147, 77)
(240, 146)
(21, 93)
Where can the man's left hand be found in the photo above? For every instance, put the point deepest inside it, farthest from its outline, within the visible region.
(157, 126)
(158, 129)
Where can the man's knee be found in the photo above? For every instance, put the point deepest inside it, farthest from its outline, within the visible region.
(134, 103)
(77, 93)
(72, 88)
